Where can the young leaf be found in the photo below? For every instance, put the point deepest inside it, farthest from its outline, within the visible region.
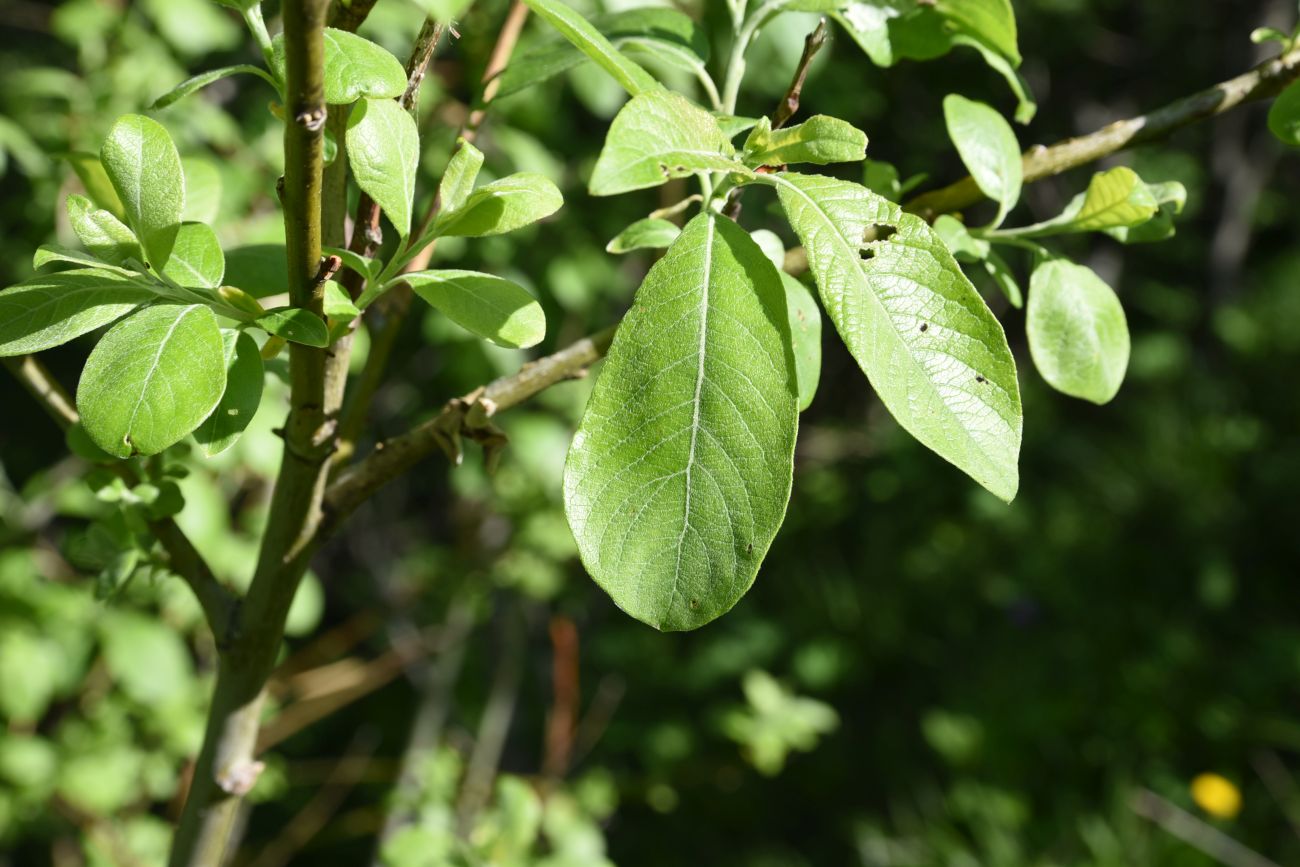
(384, 154)
(458, 180)
(590, 42)
(244, 375)
(657, 136)
(50, 309)
(929, 345)
(101, 233)
(354, 68)
(959, 240)
(152, 379)
(679, 474)
(338, 307)
(733, 125)
(989, 149)
(1000, 271)
(491, 307)
(992, 22)
(90, 171)
(649, 233)
(1116, 198)
(145, 169)
(196, 258)
(296, 325)
(364, 266)
(203, 79)
(202, 190)
(805, 337)
(1078, 335)
(47, 253)
(819, 139)
(501, 206)
(1170, 196)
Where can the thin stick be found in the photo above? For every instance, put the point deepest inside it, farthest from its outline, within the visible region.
(1196, 833)
(790, 104)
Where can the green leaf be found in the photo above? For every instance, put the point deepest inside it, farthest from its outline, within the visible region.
(354, 68)
(992, 22)
(152, 379)
(989, 149)
(364, 266)
(929, 345)
(47, 253)
(578, 30)
(458, 180)
(501, 206)
(202, 190)
(1026, 107)
(998, 269)
(1171, 197)
(959, 241)
(491, 307)
(1115, 198)
(196, 258)
(258, 269)
(733, 125)
(657, 136)
(805, 337)
(243, 394)
(1078, 335)
(145, 169)
(296, 325)
(384, 155)
(444, 11)
(101, 233)
(771, 245)
(90, 171)
(50, 309)
(203, 79)
(650, 233)
(145, 656)
(337, 305)
(678, 477)
(819, 139)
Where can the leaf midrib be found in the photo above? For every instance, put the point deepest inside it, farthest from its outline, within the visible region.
(153, 368)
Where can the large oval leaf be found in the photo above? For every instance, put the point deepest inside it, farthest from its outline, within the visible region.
(51, 309)
(384, 153)
(679, 474)
(489, 306)
(152, 379)
(1078, 335)
(145, 169)
(354, 68)
(916, 326)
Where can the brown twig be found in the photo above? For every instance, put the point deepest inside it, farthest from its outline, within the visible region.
(790, 103)
(47, 390)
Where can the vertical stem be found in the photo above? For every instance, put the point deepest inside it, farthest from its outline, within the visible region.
(225, 769)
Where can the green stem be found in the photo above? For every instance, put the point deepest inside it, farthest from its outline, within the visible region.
(257, 26)
(736, 63)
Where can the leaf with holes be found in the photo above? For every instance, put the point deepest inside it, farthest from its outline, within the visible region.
(196, 258)
(657, 136)
(50, 309)
(679, 474)
(1078, 335)
(243, 394)
(145, 169)
(152, 379)
(927, 342)
(384, 155)
(491, 307)
(989, 149)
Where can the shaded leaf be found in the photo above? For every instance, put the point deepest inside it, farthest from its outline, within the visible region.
(203, 79)
(649, 233)
(805, 337)
(243, 394)
(296, 325)
(51, 309)
(579, 31)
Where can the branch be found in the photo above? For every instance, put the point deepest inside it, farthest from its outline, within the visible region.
(47, 391)
(1262, 82)
(790, 104)
(1192, 831)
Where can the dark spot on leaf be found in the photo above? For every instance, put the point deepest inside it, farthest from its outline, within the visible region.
(749, 549)
(925, 326)
(695, 603)
(979, 378)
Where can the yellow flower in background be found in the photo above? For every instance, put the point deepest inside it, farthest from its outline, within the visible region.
(1216, 795)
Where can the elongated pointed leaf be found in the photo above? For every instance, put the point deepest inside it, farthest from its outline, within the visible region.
(47, 253)
(1116, 198)
(196, 258)
(101, 233)
(649, 233)
(590, 42)
(805, 337)
(384, 154)
(1078, 335)
(502, 206)
(929, 345)
(239, 402)
(657, 136)
(296, 325)
(819, 139)
(491, 307)
(458, 180)
(354, 68)
(203, 79)
(152, 379)
(51, 309)
(989, 149)
(145, 169)
(679, 474)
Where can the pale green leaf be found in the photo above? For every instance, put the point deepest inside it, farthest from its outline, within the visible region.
(928, 344)
(1000, 272)
(1171, 197)
(959, 241)
(364, 266)
(501, 206)
(196, 258)
(1115, 198)
(819, 139)
(337, 305)
(101, 233)
(243, 394)
(384, 155)
(444, 11)
(458, 180)
(90, 171)
(578, 30)
(202, 190)
(354, 68)
(145, 169)
(992, 22)
(203, 79)
(657, 136)
(295, 324)
(989, 149)
(152, 379)
(51, 309)
(47, 253)
(771, 245)
(805, 337)
(649, 233)
(679, 474)
(1078, 335)
(491, 307)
